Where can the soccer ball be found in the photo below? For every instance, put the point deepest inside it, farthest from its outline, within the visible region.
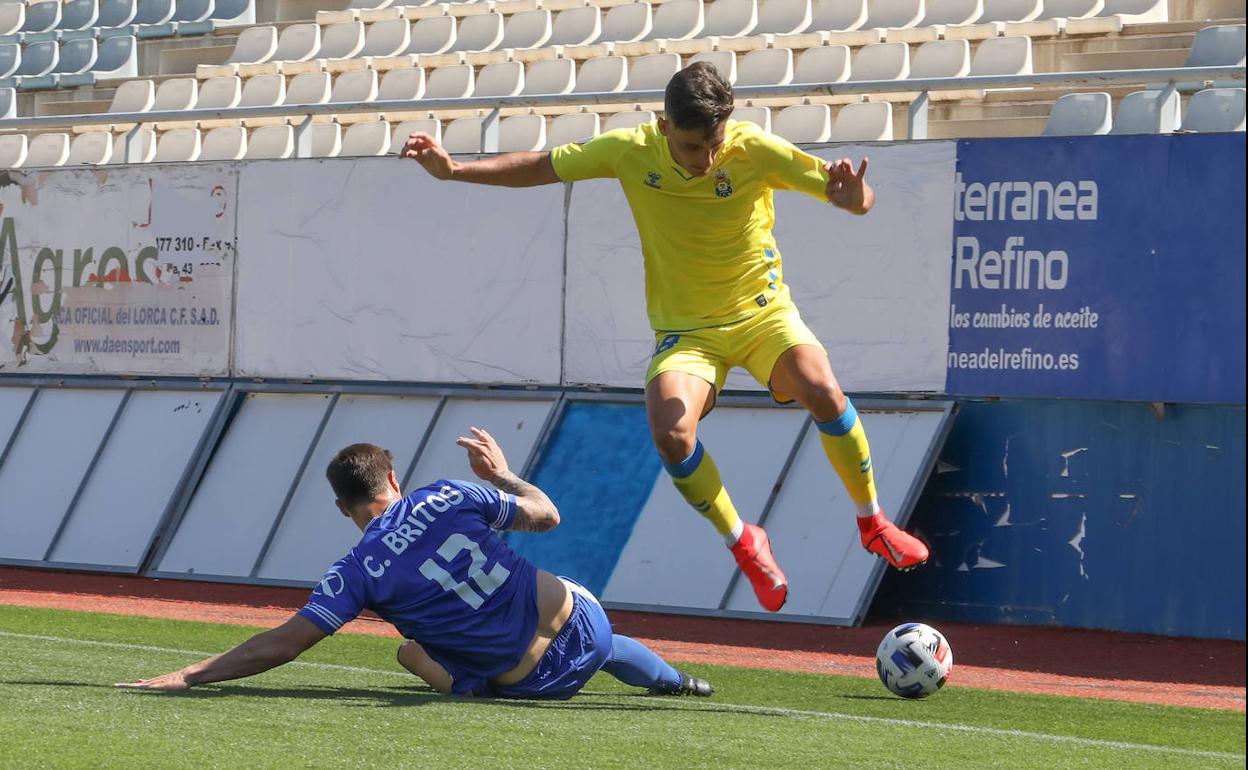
(914, 660)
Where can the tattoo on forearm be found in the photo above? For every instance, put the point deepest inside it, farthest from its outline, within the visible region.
(534, 510)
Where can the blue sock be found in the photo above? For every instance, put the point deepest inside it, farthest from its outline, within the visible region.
(634, 663)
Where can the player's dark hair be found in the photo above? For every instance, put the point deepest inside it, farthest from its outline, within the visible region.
(359, 473)
(698, 97)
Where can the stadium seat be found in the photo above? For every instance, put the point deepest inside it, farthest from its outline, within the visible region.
(652, 72)
(431, 126)
(605, 74)
(528, 29)
(881, 61)
(803, 123)
(259, 91)
(78, 15)
(573, 127)
(625, 23)
(765, 67)
(1010, 10)
(952, 12)
(39, 59)
(117, 59)
(326, 140)
(825, 64)
(363, 86)
(47, 150)
(432, 36)
(220, 93)
(13, 148)
(188, 18)
(8, 103)
(759, 116)
(453, 82)
(339, 42)
(1079, 115)
(462, 136)
(1137, 11)
(224, 143)
(308, 88)
(787, 17)
(837, 16)
(501, 79)
(10, 59)
(271, 143)
(1002, 56)
(75, 58)
(1220, 46)
(522, 133)
(146, 147)
(12, 17)
(233, 13)
(724, 62)
(176, 94)
(371, 138)
(893, 14)
(730, 18)
(681, 21)
(255, 45)
(296, 43)
(941, 59)
(93, 148)
(1144, 112)
(576, 26)
(552, 76)
(478, 33)
(1215, 109)
(41, 17)
(386, 38)
(115, 14)
(863, 122)
(630, 119)
(134, 96)
(154, 12)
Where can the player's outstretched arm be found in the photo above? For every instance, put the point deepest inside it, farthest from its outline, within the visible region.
(512, 169)
(534, 510)
(261, 652)
(847, 189)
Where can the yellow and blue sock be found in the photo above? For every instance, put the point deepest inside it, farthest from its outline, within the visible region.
(697, 479)
(845, 443)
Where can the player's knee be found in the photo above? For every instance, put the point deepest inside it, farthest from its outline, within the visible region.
(825, 400)
(674, 444)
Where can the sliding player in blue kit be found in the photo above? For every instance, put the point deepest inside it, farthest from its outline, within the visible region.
(479, 619)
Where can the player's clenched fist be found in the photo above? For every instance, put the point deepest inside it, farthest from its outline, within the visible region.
(426, 151)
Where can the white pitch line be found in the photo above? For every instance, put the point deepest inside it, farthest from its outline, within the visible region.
(720, 706)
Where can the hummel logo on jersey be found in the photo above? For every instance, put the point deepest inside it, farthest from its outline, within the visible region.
(652, 180)
(703, 506)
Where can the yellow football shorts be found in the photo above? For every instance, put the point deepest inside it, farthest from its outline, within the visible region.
(754, 344)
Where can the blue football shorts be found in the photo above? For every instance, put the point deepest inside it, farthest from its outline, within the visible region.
(576, 653)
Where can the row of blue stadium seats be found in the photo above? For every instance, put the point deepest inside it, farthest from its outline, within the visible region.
(49, 64)
(76, 19)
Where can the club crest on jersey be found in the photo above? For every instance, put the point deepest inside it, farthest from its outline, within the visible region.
(723, 185)
(652, 180)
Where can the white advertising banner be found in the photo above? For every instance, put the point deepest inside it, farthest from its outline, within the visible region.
(117, 271)
(369, 269)
(874, 289)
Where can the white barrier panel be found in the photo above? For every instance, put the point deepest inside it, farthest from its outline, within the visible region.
(117, 271)
(369, 269)
(874, 289)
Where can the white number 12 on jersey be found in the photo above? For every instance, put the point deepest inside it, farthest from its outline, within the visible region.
(488, 582)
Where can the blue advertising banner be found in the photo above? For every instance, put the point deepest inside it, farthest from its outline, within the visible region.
(1104, 267)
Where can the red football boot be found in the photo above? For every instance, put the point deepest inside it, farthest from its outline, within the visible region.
(882, 538)
(753, 555)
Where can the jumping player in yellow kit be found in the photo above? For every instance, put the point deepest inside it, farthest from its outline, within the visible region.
(700, 189)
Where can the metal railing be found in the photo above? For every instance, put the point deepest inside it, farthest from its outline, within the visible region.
(301, 115)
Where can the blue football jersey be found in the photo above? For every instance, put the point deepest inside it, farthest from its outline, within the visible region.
(434, 566)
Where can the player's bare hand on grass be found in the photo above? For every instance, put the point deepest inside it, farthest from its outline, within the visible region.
(847, 189)
(426, 151)
(171, 681)
(485, 456)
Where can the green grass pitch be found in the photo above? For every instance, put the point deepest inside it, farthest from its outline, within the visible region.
(347, 704)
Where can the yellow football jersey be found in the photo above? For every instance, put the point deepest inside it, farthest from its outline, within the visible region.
(710, 257)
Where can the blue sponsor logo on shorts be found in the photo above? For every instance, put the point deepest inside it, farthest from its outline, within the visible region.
(667, 343)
